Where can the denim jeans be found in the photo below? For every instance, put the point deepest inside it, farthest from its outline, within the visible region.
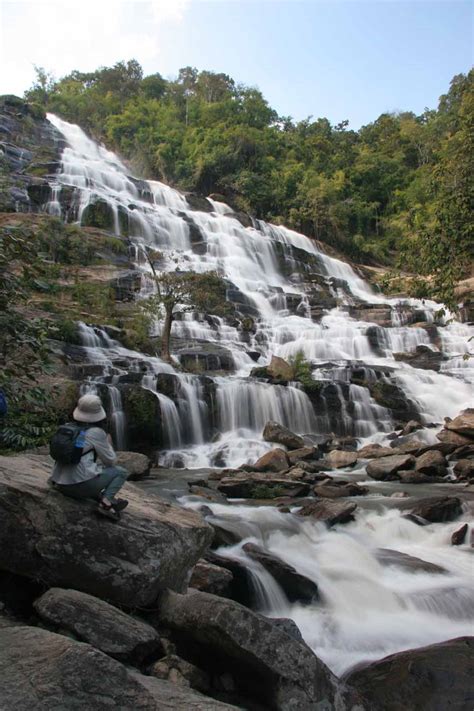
(108, 483)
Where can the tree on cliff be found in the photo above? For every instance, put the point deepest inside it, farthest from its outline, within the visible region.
(178, 292)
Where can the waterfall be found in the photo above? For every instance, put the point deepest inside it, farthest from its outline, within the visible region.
(277, 279)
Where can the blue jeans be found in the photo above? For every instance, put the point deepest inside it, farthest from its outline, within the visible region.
(108, 483)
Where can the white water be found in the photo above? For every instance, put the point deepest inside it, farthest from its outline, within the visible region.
(260, 264)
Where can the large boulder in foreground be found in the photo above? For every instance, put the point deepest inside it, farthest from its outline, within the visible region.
(274, 668)
(276, 460)
(338, 459)
(138, 465)
(61, 541)
(105, 627)
(44, 671)
(433, 678)
(274, 432)
(463, 424)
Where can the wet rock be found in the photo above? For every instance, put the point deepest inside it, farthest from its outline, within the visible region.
(260, 487)
(212, 358)
(290, 628)
(178, 671)
(296, 473)
(463, 424)
(387, 556)
(374, 451)
(334, 489)
(296, 587)
(206, 492)
(276, 460)
(138, 465)
(274, 432)
(438, 509)
(328, 511)
(210, 578)
(199, 203)
(408, 446)
(65, 674)
(390, 395)
(451, 437)
(411, 426)
(432, 463)
(465, 452)
(423, 357)
(303, 453)
(464, 468)
(380, 314)
(338, 459)
(272, 668)
(143, 416)
(413, 477)
(459, 536)
(433, 678)
(59, 540)
(386, 468)
(241, 589)
(223, 536)
(279, 369)
(443, 447)
(100, 624)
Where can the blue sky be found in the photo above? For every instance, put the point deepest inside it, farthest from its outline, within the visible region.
(343, 59)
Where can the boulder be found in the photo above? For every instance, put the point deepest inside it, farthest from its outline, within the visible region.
(386, 468)
(432, 463)
(138, 465)
(296, 587)
(288, 626)
(387, 556)
(336, 489)
(59, 540)
(279, 369)
(205, 492)
(302, 454)
(459, 536)
(438, 509)
(210, 578)
(411, 426)
(278, 434)
(413, 477)
(408, 446)
(275, 460)
(374, 451)
(42, 670)
(422, 357)
(103, 626)
(464, 468)
(270, 666)
(433, 678)
(464, 452)
(463, 424)
(338, 459)
(260, 487)
(451, 437)
(328, 511)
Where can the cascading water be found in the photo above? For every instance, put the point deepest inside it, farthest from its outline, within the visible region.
(272, 274)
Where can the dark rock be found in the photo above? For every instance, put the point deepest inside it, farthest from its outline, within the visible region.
(387, 556)
(335, 489)
(274, 432)
(386, 468)
(464, 468)
(207, 493)
(180, 672)
(433, 678)
(463, 424)
(103, 626)
(443, 447)
(438, 509)
(56, 539)
(211, 358)
(391, 396)
(328, 511)
(432, 463)
(459, 536)
(290, 628)
(223, 537)
(423, 357)
(406, 446)
(143, 416)
(199, 203)
(273, 668)
(413, 477)
(138, 465)
(338, 459)
(98, 213)
(260, 487)
(464, 452)
(276, 460)
(241, 589)
(296, 587)
(303, 453)
(210, 578)
(411, 426)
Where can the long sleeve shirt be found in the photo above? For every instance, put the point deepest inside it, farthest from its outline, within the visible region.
(96, 440)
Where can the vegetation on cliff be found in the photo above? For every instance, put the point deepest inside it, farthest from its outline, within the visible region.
(396, 191)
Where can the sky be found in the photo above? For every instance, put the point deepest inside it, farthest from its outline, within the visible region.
(342, 59)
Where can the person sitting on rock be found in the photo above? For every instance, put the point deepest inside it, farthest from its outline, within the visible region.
(96, 476)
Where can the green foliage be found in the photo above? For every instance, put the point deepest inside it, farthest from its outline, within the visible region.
(303, 372)
(399, 186)
(267, 491)
(94, 298)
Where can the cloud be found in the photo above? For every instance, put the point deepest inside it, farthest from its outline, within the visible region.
(85, 34)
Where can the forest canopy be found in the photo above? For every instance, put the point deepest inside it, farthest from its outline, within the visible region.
(397, 191)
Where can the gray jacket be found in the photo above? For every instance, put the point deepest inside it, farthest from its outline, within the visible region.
(95, 440)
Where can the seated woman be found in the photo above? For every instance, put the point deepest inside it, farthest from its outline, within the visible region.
(95, 476)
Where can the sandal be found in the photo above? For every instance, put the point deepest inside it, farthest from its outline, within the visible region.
(119, 504)
(108, 510)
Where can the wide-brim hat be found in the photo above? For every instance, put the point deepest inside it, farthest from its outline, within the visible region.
(89, 409)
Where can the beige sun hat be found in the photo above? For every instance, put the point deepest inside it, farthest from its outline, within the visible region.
(89, 409)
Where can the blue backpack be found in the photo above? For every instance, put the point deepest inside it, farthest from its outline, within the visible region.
(3, 403)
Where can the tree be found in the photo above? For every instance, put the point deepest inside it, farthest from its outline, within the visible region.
(178, 292)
